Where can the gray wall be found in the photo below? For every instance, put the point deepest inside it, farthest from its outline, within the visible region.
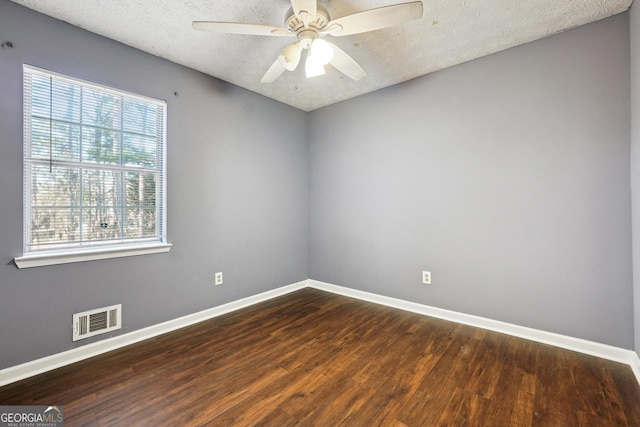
(507, 177)
(635, 161)
(237, 194)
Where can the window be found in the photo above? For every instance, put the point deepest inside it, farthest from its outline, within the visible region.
(94, 171)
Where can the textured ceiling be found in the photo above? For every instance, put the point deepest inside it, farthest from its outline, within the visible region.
(450, 32)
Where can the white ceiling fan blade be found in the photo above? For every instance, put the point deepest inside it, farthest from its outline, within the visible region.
(374, 19)
(305, 10)
(346, 64)
(289, 57)
(273, 72)
(241, 28)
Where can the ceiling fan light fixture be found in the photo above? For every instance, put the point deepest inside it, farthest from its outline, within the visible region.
(289, 57)
(321, 51)
(313, 67)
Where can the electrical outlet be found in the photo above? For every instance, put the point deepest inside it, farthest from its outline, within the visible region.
(426, 277)
(218, 278)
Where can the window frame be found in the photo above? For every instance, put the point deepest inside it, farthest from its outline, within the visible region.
(90, 250)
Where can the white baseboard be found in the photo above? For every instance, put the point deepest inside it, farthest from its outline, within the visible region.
(35, 367)
(38, 366)
(635, 365)
(604, 351)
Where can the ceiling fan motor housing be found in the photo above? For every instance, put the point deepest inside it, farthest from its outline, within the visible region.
(309, 33)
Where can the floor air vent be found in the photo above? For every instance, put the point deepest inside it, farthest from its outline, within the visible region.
(98, 321)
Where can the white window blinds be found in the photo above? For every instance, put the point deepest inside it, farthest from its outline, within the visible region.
(94, 165)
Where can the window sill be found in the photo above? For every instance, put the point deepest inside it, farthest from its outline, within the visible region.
(42, 259)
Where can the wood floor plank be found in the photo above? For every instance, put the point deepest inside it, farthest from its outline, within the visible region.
(313, 358)
(465, 409)
(522, 414)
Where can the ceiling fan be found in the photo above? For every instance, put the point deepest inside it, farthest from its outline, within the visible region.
(309, 22)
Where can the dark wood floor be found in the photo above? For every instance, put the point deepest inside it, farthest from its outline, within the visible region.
(314, 358)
